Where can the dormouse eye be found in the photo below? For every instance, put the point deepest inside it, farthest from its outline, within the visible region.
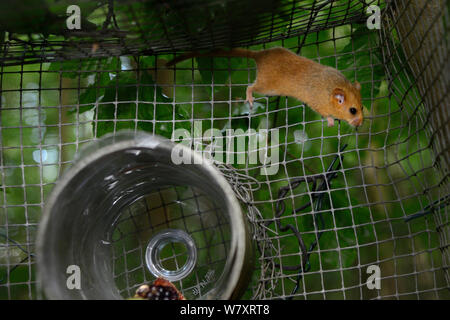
(353, 110)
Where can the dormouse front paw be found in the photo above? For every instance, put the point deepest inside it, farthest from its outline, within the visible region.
(330, 121)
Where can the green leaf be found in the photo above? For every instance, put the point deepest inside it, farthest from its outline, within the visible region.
(70, 69)
(217, 69)
(127, 102)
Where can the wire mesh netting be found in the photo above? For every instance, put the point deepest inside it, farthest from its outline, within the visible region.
(150, 26)
(341, 199)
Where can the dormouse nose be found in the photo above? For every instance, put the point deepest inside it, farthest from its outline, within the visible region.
(357, 121)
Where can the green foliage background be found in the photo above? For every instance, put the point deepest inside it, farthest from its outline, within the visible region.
(363, 214)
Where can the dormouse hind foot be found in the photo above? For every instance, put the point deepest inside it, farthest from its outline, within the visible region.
(330, 121)
(249, 97)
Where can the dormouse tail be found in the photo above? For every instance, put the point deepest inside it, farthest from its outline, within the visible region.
(237, 52)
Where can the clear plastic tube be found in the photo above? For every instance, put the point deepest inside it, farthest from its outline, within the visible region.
(125, 209)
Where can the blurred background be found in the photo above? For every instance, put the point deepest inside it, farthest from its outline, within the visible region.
(390, 168)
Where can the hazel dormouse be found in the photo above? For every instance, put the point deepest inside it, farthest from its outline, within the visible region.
(280, 72)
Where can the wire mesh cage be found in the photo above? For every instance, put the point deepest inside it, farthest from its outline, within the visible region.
(339, 201)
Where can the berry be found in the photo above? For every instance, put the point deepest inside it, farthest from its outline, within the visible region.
(161, 289)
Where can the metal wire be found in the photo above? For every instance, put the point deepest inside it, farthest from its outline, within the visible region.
(341, 201)
(167, 26)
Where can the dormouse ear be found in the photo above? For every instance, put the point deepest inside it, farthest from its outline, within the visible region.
(357, 85)
(338, 95)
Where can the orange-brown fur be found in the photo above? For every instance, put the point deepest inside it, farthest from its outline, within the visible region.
(281, 72)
